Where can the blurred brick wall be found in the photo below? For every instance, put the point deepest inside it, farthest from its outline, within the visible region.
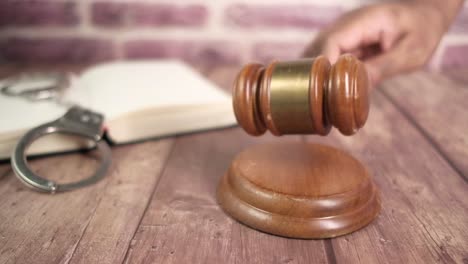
(200, 32)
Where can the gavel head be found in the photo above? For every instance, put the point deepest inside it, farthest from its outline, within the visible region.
(302, 97)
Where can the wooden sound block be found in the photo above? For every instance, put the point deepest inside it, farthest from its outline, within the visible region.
(299, 190)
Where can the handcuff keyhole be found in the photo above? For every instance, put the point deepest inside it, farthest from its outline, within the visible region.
(85, 118)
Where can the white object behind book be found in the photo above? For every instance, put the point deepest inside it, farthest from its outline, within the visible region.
(139, 99)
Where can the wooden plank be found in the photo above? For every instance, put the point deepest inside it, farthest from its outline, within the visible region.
(425, 211)
(438, 106)
(119, 212)
(424, 219)
(223, 77)
(90, 225)
(42, 228)
(460, 75)
(184, 224)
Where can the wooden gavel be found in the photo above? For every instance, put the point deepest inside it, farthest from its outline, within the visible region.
(302, 97)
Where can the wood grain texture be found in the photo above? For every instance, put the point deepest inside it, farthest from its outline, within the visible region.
(298, 190)
(438, 106)
(424, 216)
(184, 224)
(460, 75)
(90, 225)
(110, 229)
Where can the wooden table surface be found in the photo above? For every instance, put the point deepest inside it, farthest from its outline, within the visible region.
(157, 203)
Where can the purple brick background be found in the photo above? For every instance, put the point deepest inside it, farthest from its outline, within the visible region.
(56, 50)
(195, 52)
(455, 56)
(199, 32)
(279, 16)
(460, 24)
(38, 13)
(266, 52)
(109, 14)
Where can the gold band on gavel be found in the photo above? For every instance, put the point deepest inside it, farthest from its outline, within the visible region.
(289, 97)
(302, 97)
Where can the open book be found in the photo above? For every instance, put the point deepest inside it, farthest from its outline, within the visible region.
(140, 100)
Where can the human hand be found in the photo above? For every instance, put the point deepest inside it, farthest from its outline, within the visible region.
(390, 38)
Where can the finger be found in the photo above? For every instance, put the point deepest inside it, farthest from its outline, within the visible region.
(358, 53)
(322, 46)
(354, 32)
(389, 37)
(401, 58)
(334, 42)
(331, 50)
(330, 45)
(314, 48)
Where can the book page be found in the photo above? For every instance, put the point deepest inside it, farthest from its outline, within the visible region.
(145, 98)
(20, 114)
(120, 88)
